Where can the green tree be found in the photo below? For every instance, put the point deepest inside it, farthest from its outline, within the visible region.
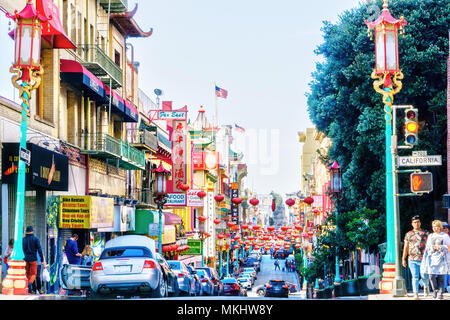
(343, 104)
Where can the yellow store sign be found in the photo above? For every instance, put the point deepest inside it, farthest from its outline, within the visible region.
(86, 212)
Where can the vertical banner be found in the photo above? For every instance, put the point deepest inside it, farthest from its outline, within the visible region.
(179, 150)
(234, 207)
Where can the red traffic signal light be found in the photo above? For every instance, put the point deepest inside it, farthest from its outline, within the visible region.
(411, 126)
(421, 182)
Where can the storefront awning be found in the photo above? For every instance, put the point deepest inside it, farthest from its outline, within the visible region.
(52, 30)
(117, 102)
(172, 218)
(78, 76)
(131, 113)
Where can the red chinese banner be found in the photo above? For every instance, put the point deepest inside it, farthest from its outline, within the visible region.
(179, 150)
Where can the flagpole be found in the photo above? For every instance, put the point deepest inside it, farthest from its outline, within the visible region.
(216, 121)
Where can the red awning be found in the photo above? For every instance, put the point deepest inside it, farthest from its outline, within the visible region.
(52, 30)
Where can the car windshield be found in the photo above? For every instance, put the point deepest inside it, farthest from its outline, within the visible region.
(174, 265)
(206, 270)
(126, 252)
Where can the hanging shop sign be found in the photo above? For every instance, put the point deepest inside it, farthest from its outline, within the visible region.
(169, 235)
(179, 149)
(192, 199)
(47, 169)
(195, 247)
(172, 115)
(234, 207)
(176, 199)
(86, 212)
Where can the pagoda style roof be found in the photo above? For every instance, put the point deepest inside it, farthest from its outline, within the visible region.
(127, 26)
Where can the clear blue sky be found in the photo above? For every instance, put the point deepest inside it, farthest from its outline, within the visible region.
(261, 51)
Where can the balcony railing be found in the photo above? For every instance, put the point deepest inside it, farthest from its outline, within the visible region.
(100, 64)
(144, 139)
(144, 196)
(115, 6)
(104, 146)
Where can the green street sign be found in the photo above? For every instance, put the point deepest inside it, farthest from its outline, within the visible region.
(195, 247)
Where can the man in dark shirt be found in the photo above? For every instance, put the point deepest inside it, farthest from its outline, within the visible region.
(32, 247)
(71, 250)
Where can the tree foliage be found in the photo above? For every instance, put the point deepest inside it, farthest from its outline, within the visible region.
(343, 104)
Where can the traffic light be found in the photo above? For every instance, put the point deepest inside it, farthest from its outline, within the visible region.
(411, 126)
(421, 182)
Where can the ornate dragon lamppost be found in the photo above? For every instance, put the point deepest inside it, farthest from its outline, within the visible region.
(27, 77)
(160, 196)
(387, 75)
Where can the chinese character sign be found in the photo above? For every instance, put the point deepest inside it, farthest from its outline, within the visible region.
(179, 150)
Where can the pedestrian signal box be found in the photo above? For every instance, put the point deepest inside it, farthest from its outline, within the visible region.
(421, 182)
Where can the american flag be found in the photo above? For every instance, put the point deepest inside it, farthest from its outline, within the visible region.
(238, 128)
(221, 93)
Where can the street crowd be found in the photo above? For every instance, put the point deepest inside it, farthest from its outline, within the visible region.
(428, 258)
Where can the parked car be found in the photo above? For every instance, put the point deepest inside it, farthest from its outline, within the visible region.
(186, 282)
(250, 275)
(231, 287)
(245, 281)
(277, 288)
(198, 281)
(206, 282)
(218, 285)
(128, 266)
(252, 262)
(251, 270)
(172, 279)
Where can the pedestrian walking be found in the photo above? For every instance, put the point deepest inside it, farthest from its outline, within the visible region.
(8, 252)
(31, 249)
(277, 264)
(37, 284)
(437, 258)
(445, 229)
(71, 250)
(413, 251)
(87, 257)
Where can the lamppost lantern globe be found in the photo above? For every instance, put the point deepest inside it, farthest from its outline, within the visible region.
(335, 178)
(161, 175)
(27, 39)
(386, 29)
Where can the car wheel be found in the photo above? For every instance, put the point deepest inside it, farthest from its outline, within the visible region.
(161, 290)
(260, 292)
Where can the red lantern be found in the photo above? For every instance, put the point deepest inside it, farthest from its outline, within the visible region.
(220, 236)
(256, 227)
(219, 197)
(270, 228)
(237, 201)
(316, 211)
(244, 226)
(236, 246)
(297, 246)
(284, 228)
(308, 200)
(202, 218)
(230, 224)
(298, 227)
(273, 205)
(216, 221)
(290, 202)
(254, 202)
(201, 194)
(184, 187)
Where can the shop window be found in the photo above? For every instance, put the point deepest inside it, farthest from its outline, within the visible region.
(117, 57)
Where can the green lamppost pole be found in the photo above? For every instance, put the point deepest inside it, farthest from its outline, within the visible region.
(335, 190)
(388, 75)
(160, 195)
(28, 71)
